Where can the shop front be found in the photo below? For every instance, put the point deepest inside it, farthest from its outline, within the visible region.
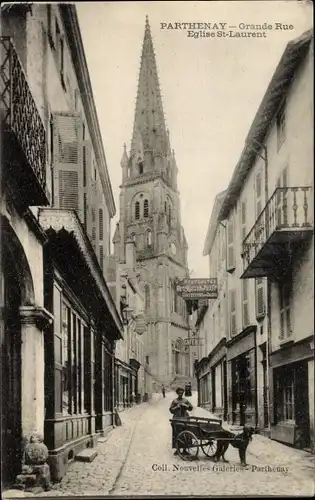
(218, 371)
(79, 344)
(242, 378)
(292, 410)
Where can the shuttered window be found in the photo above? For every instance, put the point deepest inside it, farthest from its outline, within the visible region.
(84, 165)
(232, 306)
(93, 233)
(101, 224)
(51, 26)
(245, 303)
(85, 209)
(230, 245)
(285, 293)
(281, 125)
(145, 208)
(243, 221)
(68, 190)
(102, 257)
(260, 298)
(281, 200)
(67, 163)
(258, 194)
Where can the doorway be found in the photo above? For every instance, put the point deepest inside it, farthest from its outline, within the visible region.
(302, 418)
(10, 332)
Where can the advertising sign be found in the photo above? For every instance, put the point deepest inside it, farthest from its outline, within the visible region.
(196, 289)
(193, 342)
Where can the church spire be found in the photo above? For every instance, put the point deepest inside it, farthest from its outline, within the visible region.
(149, 131)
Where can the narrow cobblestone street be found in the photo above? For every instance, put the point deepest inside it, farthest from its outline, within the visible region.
(137, 460)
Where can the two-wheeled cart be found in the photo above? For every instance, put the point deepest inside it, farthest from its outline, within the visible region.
(193, 433)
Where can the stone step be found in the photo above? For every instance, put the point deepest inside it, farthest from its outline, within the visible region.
(86, 455)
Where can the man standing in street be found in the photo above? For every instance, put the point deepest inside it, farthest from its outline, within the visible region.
(163, 391)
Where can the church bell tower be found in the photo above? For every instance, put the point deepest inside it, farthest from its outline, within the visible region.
(150, 216)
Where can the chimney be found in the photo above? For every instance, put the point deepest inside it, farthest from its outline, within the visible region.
(130, 253)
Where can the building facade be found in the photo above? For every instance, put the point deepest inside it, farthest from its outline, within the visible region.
(269, 212)
(59, 364)
(211, 322)
(150, 215)
(132, 379)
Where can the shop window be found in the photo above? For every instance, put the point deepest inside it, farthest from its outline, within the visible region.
(284, 394)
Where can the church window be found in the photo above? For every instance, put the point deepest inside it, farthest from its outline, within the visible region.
(169, 215)
(133, 237)
(146, 297)
(148, 238)
(140, 166)
(145, 208)
(165, 207)
(137, 210)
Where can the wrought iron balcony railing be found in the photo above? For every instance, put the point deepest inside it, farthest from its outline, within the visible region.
(289, 210)
(19, 114)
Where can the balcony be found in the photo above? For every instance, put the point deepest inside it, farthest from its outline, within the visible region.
(282, 227)
(23, 137)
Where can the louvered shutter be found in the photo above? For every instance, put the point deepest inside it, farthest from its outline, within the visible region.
(87, 183)
(68, 172)
(245, 303)
(260, 298)
(243, 220)
(232, 306)
(230, 245)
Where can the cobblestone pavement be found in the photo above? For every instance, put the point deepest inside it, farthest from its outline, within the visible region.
(137, 460)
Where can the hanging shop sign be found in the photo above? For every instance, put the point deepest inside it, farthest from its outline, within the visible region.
(196, 289)
(193, 342)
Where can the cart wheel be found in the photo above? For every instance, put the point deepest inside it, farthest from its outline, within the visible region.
(209, 447)
(187, 445)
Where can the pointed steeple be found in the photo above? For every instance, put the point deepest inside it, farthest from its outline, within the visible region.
(149, 131)
(124, 160)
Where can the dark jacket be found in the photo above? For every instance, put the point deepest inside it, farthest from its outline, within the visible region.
(180, 407)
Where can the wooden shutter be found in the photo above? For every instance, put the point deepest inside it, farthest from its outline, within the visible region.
(258, 194)
(101, 257)
(243, 220)
(230, 245)
(260, 298)
(245, 303)
(281, 199)
(232, 306)
(68, 171)
(285, 309)
(51, 22)
(87, 181)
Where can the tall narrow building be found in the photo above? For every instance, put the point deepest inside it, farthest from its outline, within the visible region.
(150, 216)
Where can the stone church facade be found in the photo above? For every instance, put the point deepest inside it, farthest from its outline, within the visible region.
(150, 216)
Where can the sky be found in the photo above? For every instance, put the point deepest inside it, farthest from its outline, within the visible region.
(211, 88)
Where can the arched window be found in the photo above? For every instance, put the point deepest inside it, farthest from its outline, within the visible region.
(140, 167)
(145, 208)
(148, 238)
(165, 207)
(146, 297)
(137, 210)
(133, 237)
(175, 298)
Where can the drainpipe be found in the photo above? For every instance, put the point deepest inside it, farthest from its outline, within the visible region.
(264, 157)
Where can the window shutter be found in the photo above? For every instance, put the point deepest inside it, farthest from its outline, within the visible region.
(67, 163)
(137, 210)
(285, 312)
(230, 245)
(232, 305)
(258, 194)
(51, 26)
(245, 304)
(102, 257)
(260, 298)
(101, 224)
(243, 220)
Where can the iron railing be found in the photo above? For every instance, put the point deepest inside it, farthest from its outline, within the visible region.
(289, 208)
(19, 113)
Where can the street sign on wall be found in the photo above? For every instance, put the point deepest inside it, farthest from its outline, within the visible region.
(195, 289)
(193, 342)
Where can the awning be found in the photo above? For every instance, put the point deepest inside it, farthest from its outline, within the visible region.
(71, 247)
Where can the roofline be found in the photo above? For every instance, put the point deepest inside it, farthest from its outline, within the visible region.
(70, 18)
(279, 84)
